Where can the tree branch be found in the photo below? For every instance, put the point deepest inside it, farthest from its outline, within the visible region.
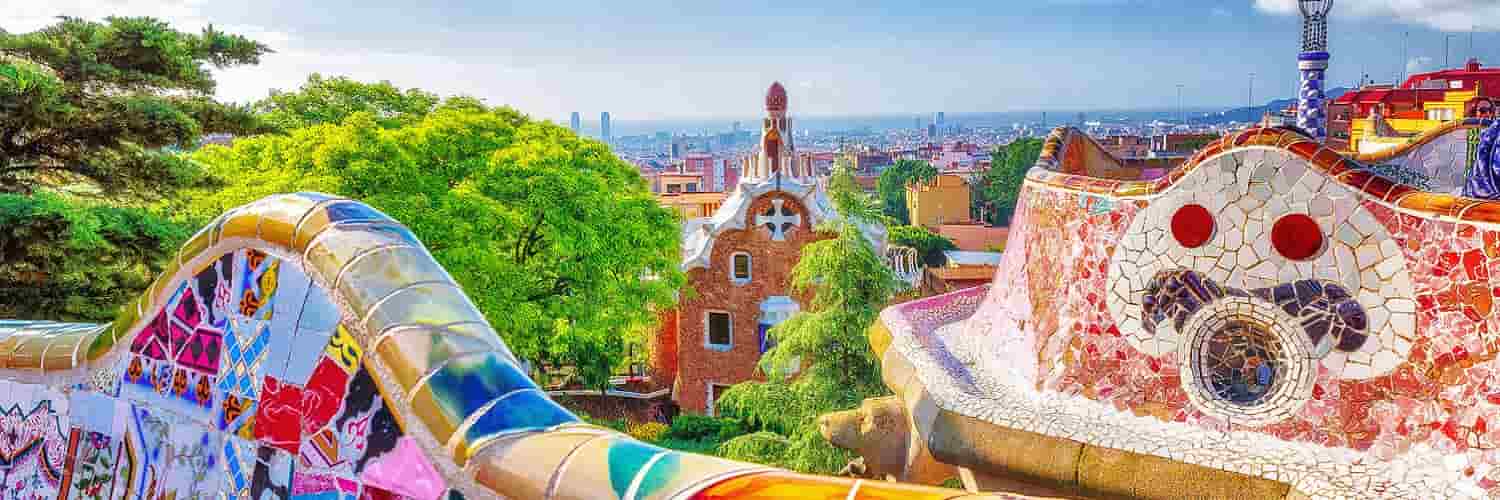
(560, 286)
(9, 136)
(20, 167)
(533, 235)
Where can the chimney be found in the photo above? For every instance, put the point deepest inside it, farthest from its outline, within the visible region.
(1472, 65)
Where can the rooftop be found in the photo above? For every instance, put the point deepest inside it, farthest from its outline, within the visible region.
(1472, 71)
(974, 237)
(970, 258)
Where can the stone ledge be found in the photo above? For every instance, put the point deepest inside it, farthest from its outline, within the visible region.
(1082, 469)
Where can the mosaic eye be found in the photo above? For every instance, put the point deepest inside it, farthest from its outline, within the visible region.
(1192, 225)
(1297, 237)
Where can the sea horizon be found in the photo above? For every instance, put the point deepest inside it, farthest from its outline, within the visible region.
(622, 127)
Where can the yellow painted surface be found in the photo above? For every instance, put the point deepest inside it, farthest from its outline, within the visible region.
(945, 200)
(692, 205)
(1362, 138)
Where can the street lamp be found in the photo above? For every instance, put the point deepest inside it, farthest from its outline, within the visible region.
(1250, 101)
(1180, 116)
(1446, 61)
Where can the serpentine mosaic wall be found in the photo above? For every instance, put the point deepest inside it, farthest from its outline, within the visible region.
(244, 384)
(1267, 289)
(1274, 298)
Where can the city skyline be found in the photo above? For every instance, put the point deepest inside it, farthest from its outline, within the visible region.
(550, 59)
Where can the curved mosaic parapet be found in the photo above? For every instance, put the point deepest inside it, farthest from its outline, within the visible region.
(1423, 140)
(305, 346)
(1269, 312)
(1071, 151)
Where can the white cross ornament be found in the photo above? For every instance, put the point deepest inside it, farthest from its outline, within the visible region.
(778, 220)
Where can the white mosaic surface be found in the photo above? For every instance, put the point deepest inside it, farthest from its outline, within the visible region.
(1247, 191)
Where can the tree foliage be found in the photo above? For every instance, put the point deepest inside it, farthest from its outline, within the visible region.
(330, 100)
(95, 109)
(928, 244)
(558, 242)
(1000, 186)
(891, 186)
(68, 260)
(849, 284)
(94, 103)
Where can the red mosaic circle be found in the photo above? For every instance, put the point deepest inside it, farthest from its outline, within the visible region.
(1192, 225)
(1297, 237)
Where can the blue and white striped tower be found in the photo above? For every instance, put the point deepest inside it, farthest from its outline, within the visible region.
(1313, 62)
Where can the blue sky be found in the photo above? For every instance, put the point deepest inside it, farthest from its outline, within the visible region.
(647, 59)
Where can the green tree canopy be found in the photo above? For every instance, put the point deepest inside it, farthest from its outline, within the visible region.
(928, 244)
(331, 100)
(849, 284)
(1000, 186)
(891, 186)
(558, 242)
(71, 260)
(95, 102)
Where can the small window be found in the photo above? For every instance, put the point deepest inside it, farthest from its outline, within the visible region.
(692, 187)
(720, 334)
(714, 391)
(674, 188)
(740, 273)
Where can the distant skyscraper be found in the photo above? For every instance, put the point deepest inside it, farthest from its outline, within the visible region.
(938, 119)
(917, 123)
(573, 122)
(604, 126)
(717, 170)
(931, 131)
(736, 128)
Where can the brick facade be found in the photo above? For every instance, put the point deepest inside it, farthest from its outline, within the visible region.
(699, 366)
(663, 370)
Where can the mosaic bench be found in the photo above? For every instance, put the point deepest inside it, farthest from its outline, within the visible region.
(309, 347)
(1269, 320)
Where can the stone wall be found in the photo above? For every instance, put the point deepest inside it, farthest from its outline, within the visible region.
(632, 410)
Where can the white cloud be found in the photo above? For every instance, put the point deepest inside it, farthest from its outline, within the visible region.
(1420, 64)
(26, 15)
(1445, 15)
(186, 15)
(287, 68)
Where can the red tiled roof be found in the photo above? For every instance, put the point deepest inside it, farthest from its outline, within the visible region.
(1400, 103)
